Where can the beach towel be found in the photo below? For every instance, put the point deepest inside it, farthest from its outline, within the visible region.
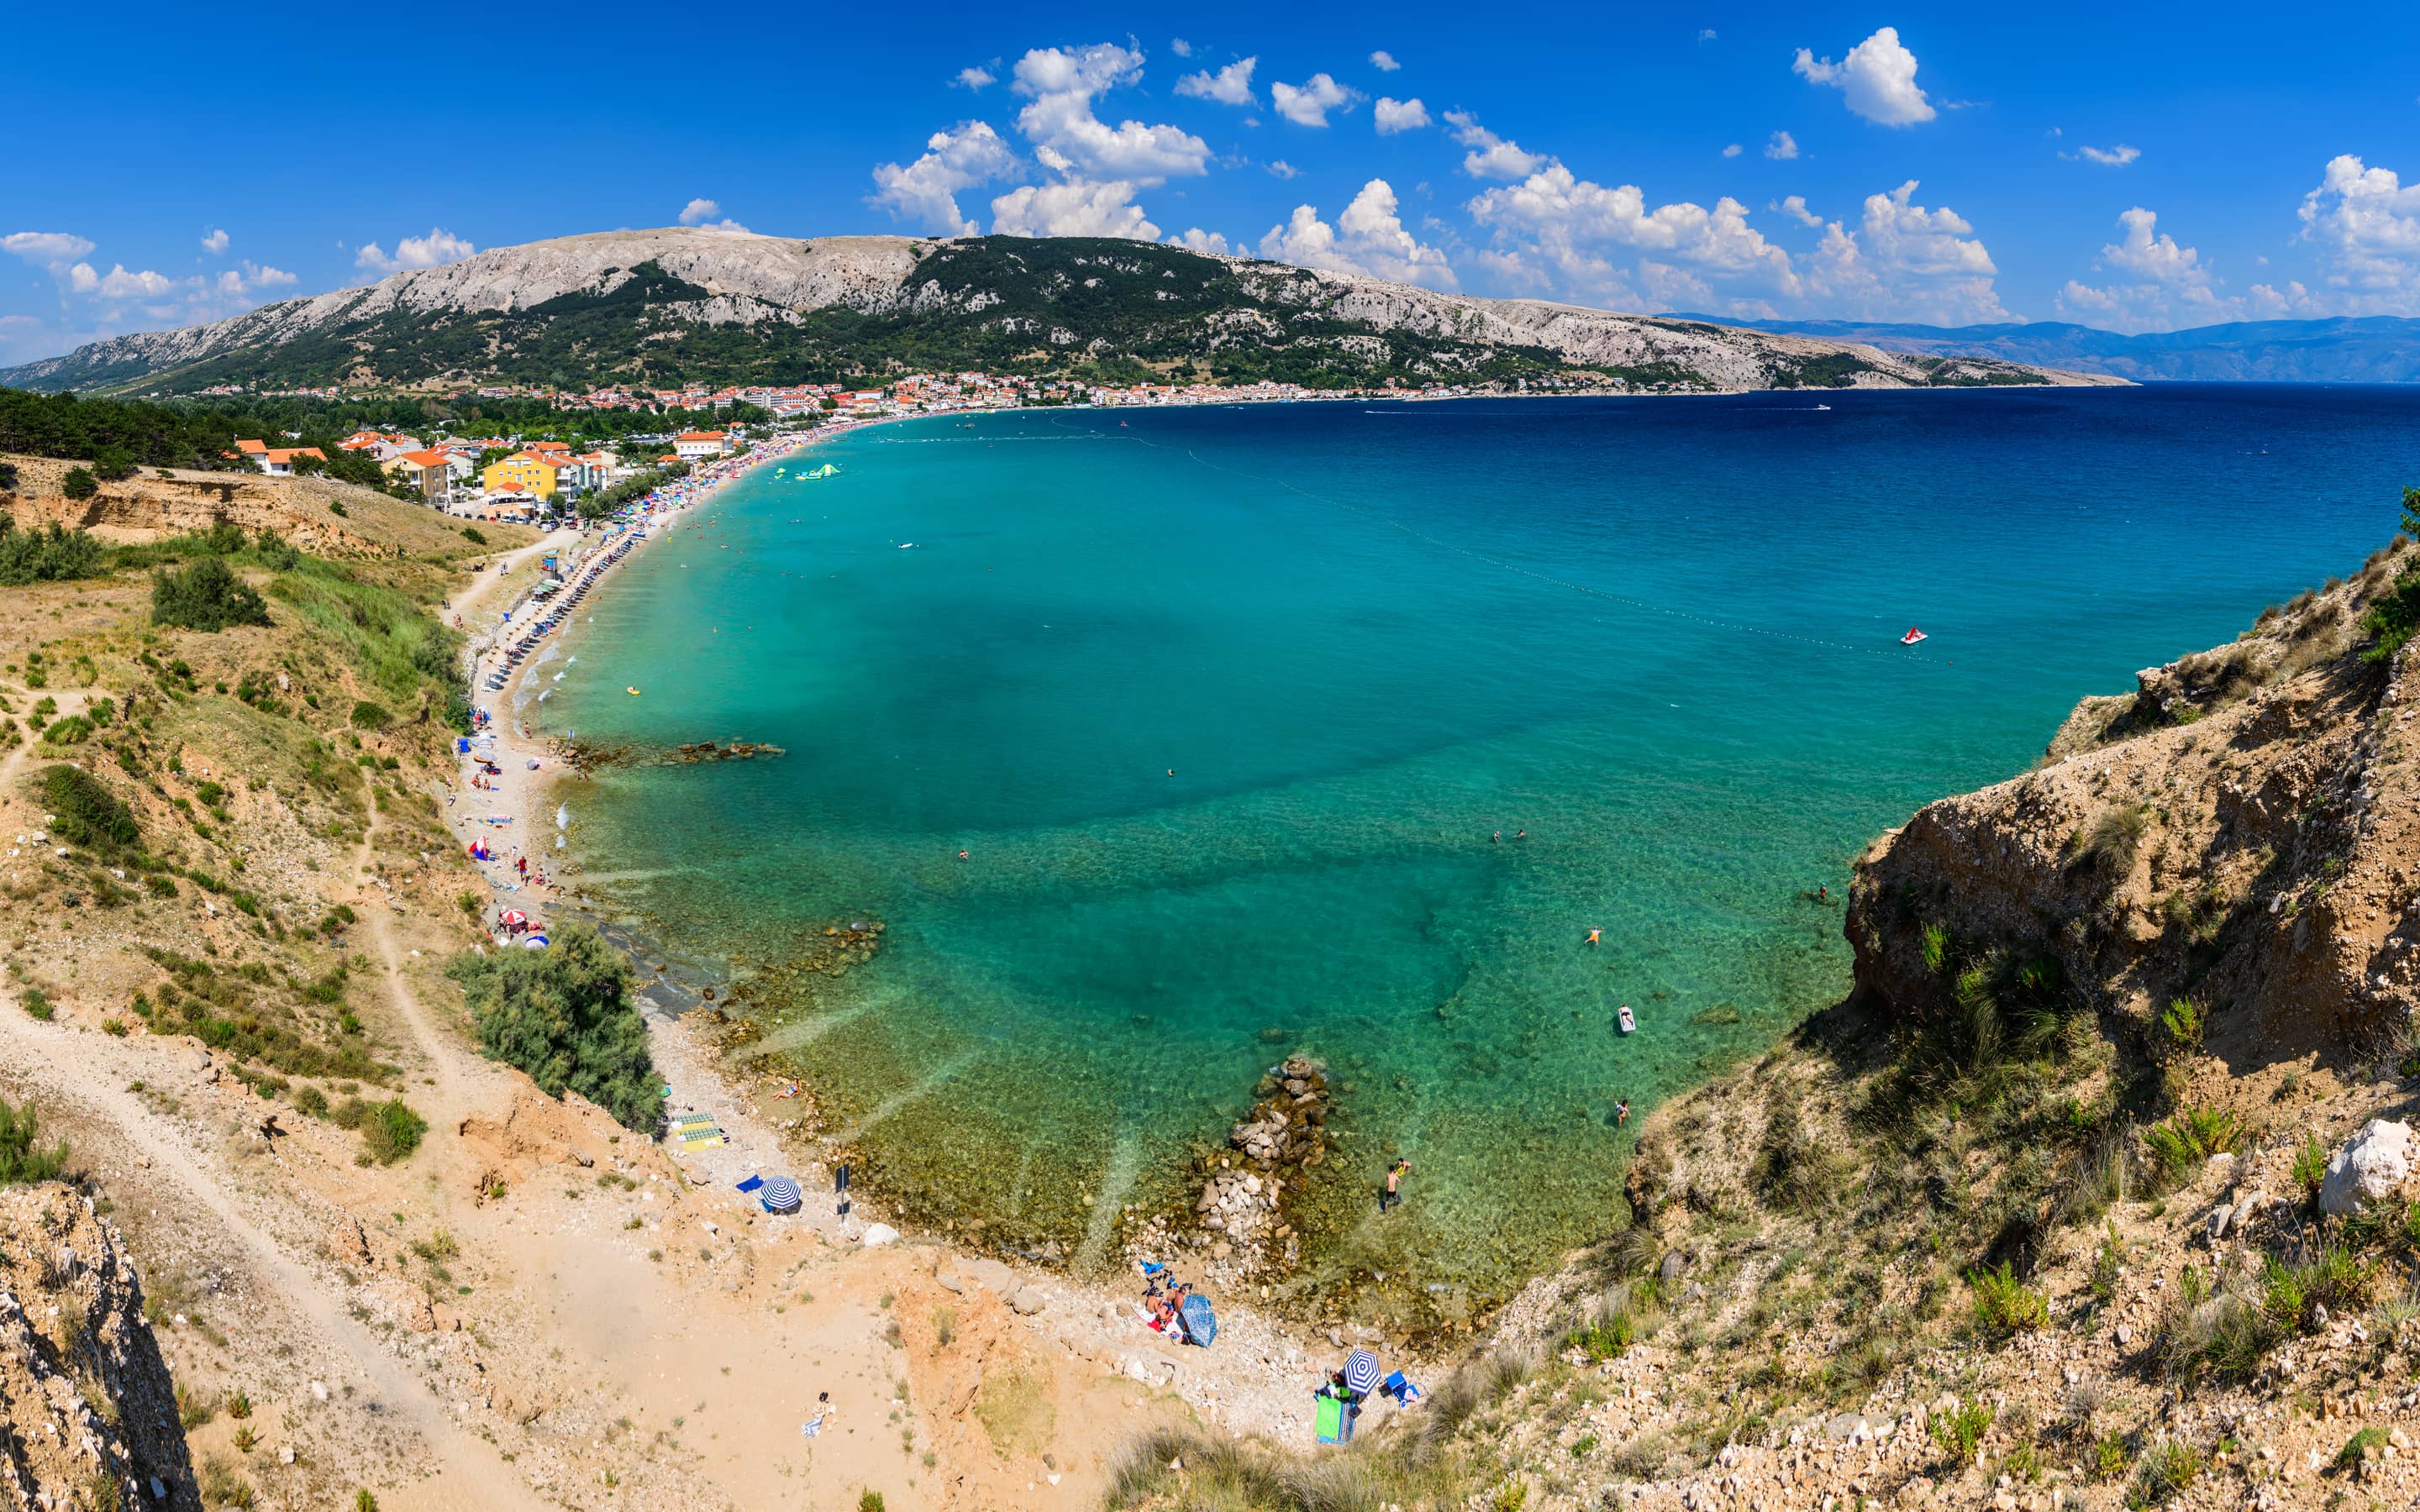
(1330, 1420)
(1201, 1323)
(695, 1130)
(751, 1183)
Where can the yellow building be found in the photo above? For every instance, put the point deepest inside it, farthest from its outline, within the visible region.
(520, 474)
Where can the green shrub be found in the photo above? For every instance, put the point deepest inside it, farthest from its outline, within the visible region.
(369, 716)
(312, 1101)
(2335, 1278)
(1936, 949)
(2310, 1171)
(2107, 847)
(472, 534)
(2179, 1146)
(207, 595)
(22, 1158)
(2360, 1447)
(112, 463)
(1608, 1338)
(2003, 1305)
(567, 1015)
(2163, 1474)
(39, 1005)
(2109, 1456)
(1960, 1431)
(84, 812)
(79, 484)
(52, 554)
(2183, 1023)
(392, 1131)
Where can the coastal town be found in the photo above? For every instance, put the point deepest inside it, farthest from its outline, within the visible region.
(533, 479)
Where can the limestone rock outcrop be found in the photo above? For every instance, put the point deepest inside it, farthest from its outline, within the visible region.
(88, 1412)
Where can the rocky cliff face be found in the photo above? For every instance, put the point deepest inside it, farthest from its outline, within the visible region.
(2241, 833)
(87, 1413)
(657, 302)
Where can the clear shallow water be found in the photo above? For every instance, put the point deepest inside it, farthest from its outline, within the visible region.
(1658, 636)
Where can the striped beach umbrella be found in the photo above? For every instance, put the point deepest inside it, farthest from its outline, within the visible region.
(1360, 1372)
(780, 1194)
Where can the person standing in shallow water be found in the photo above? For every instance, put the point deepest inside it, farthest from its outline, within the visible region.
(1392, 1197)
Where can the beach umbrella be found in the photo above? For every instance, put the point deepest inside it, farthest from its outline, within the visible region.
(1360, 1372)
(537, 942)
(780, 1194)
(514, 918)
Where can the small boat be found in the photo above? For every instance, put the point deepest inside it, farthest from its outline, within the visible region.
(1628, 1023)
(1913, 636)
(907, 546)
(632, 691)
(1822, 406)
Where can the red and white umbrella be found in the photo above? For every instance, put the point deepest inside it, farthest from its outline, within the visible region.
(514, 918)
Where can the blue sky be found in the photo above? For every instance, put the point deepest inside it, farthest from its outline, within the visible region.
(2136, 168)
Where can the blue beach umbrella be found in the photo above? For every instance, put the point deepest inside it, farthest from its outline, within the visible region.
(1360, 1372)
(780, 1194)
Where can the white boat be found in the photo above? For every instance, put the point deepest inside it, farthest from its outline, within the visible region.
(1628, 1023)
(1913, 636)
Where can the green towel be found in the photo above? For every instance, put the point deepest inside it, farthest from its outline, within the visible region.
(1332, 1420)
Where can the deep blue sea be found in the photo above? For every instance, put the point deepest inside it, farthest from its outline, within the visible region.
(1229, 706)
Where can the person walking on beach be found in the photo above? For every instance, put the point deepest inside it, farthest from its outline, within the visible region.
(1392, 1197)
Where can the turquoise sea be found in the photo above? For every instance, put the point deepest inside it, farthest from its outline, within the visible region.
(1228, 705)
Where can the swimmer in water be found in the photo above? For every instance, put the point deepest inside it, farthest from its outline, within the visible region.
(962, 856)
(1595, 936)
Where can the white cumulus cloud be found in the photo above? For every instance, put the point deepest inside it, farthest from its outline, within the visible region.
(1062, 83)
(1197, 239)
(433, 249)
(1072, 208)
(48, 248)
(2365, 222)
(117, 283)
(2168, 284)
(2118, 157)
(926, 189)
(1794, 206)
(1905, 262)
(1308, 103)
(1559, 220)
(1396, 115)
(215, 242)
(1878, 77)
(974, 76)
(1230, 85)
(1491, 156)
(1369, 237)
(1384, 61)
(707, 215)
(1179, 46)
(1279, 168)
(1733, 150)
(1781, 147)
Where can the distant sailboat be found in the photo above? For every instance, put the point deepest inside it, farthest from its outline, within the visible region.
(1913, 636)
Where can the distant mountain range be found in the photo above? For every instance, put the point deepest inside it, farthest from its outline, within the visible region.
(2369, 349)
(666, 307)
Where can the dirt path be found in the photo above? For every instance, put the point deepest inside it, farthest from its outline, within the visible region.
(73, 1067)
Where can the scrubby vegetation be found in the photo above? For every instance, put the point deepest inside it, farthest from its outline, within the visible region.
(52, 554)
(567, 1015)
(205, 595)
(23, 1157)
(85, 813)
